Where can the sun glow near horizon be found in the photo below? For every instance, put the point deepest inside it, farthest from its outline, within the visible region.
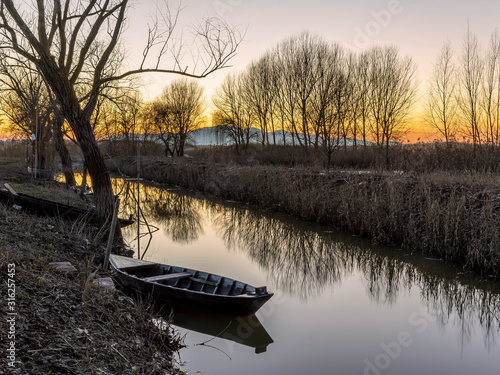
(418, 29)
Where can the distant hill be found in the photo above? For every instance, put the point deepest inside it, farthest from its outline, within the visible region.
(219, 136)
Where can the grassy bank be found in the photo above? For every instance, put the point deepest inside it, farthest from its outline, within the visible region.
(453, 216)
(56, 331)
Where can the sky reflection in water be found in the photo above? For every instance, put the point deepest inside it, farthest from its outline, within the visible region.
(342, 305)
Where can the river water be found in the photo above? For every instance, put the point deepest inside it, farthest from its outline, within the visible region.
(341, 306)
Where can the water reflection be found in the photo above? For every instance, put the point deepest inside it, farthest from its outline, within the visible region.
(244, 330)
(299, 262)
(179, 216)
(303, 262)
(303, 259)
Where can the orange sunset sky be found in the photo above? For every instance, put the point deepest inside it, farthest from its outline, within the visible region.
(418, 28)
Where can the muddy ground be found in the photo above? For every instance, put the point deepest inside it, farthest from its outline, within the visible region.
(48, 324)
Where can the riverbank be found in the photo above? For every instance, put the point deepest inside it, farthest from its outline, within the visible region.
(450, 216)
(49, 325)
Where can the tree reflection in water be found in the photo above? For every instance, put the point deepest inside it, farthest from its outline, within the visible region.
(304, 260)
(179, 216)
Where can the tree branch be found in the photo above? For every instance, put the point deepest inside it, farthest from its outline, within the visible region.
(76, 32)
(105, 57)
(42, 30)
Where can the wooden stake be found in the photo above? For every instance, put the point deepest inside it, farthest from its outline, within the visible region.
(138, 200)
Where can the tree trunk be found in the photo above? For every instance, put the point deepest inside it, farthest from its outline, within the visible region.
(63, 152)
(98, 172)
(182, 142)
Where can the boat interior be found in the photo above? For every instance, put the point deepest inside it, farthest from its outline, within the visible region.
(186, 278)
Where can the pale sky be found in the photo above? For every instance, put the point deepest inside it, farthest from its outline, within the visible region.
(418, 27)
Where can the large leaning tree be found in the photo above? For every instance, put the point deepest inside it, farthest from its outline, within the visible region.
(72, 43)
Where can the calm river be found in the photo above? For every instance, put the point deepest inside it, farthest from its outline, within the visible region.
(341, 304)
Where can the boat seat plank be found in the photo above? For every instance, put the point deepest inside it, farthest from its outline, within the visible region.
(226, 287)
(207, 282)
(138, 268)
(169, 276)
(125, 263)
(237, 290)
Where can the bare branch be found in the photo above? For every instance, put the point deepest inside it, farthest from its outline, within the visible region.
(76, 31)
(42, 31)
(103, 16)
(104, 59)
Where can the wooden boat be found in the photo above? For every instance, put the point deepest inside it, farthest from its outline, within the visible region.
(44, 207)
(188, 287)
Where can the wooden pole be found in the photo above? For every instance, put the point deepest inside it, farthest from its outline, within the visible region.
(111, 234)
(28, 152)
(83, 186)
(36, 137)
(138, 200)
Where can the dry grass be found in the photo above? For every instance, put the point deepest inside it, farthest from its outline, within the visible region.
(56, 331)
(408, 158)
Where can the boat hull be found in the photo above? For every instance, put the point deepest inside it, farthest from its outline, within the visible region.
(45, 207)
(244, 304)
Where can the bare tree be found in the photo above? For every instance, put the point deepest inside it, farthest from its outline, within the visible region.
(328, 98)
(176, 112)
(128, 107)
(232, 113)
(471, 76)
(363, 89)
(491, 90)
(161, 122)
(344, 98)
(258, 91)
(392, 93)
(298, 64)
(441, 105)
(71, 44)
(32, 109)
(182, 103)
(300, 61)
(27, 104)
(284, 103)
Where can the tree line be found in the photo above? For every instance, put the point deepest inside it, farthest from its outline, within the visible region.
(320, 93)
(463, 98)
(304, 92)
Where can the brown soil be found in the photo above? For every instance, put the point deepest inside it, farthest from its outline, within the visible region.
(55, 330)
